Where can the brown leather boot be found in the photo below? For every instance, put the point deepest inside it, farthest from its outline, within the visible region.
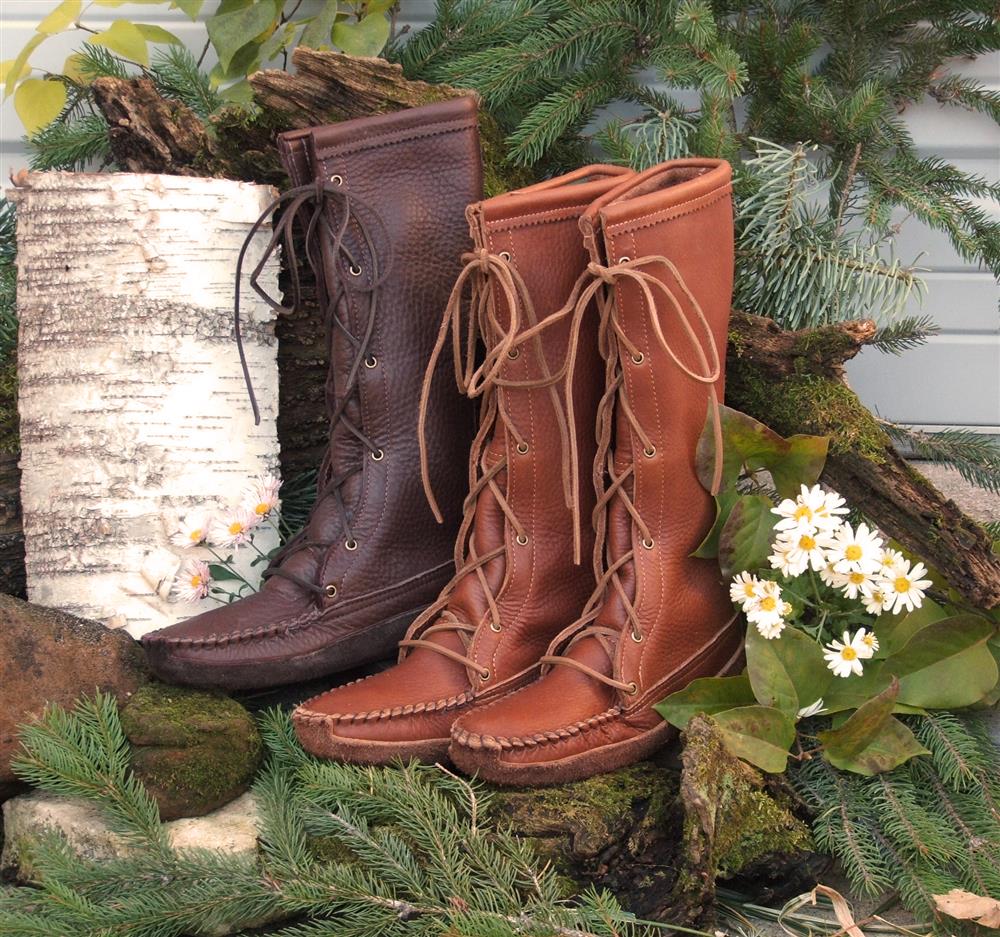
(385, 198)
(517, 582)
(662, 248)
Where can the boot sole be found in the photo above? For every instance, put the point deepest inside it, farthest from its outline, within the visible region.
(364, 647)
(488, 766)
(323, 744)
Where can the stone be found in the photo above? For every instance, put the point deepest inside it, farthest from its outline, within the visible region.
(193, 751)
(49, 656)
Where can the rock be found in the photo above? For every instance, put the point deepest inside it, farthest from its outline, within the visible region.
(232, 829)
(737, 825)
(193, 751)
(49, 656)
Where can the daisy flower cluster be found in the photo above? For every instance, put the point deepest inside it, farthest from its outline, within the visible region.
(233, 529)
(812, 536)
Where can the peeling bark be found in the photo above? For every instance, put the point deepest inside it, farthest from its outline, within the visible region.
(132, 401)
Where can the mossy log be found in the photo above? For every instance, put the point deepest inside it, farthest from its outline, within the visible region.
(794, 382)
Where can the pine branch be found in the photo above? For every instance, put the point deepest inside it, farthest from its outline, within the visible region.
(71, 144)
(973, 455)
(903, 334)
(176, 75)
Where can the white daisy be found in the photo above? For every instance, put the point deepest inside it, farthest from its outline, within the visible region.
(744, 589)
(262, 496)
(781, 560)
(874, 599)
(855, 582)
(904, 587)
(193, 529)
(844, 657)
(765, 611)
(831, 577)
(813, 509)
(856, 550)
(811, 710)
(193, 581)
(770, 629)
(236, 529)
(807, 549)
(869, 642)
(890, 559)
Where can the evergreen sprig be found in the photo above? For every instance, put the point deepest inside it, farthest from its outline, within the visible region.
(930, 825)
(975, 456)
(344, 850)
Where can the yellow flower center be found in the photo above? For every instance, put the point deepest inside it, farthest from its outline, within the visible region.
(195, 535)
(803, 510)
(806, 542)
(235, 528)
(749, 590)
(878, 597)
(868, 640)
(902, 584)
(853, 552)
(768, 603)
(195, 581)
(856, 578)
(262, 508)
(848, 653)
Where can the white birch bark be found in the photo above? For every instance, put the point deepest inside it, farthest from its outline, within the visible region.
(132, 401)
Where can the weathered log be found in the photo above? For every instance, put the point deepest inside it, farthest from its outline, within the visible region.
(794, 382)
(11, 531)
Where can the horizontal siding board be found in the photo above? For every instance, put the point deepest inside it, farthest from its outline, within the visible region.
(953, 380)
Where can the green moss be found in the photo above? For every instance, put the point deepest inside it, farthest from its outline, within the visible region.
(759, 827)
(808, 403)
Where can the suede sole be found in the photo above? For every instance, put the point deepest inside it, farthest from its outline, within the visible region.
(318, 741)
(488, 765)
(376, 642)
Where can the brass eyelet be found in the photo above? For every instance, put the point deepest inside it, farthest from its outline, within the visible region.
(505, 255)
(636, 637)
(337, 180)
(371, 361)
(330, 590)
(378, 455)
(648, 544)
(522, 447)
(632, 688)
(639, 358)
(513, 353)
(484, 675)
(522, 539)
(624, 260)
(496, 629)
(354, 270)
(351, 544)
(649, 452)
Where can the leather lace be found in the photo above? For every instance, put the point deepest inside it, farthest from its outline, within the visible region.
(485, 272)
(598, 281)
(316, 198)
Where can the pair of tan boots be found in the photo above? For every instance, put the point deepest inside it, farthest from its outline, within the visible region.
(602, 299)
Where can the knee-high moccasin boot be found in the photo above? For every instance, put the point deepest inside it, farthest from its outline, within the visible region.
(382, 202)
(516, 582)
(662, 251)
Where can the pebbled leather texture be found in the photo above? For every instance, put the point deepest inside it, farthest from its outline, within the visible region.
(568, 724)
(409, 176)
(407, 711)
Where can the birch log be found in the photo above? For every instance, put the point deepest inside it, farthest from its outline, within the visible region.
(132, 402)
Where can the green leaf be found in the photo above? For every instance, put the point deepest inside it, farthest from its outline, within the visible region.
(707, 695)
(317, 34)
(231, 31)
(38, 102)
(748, 442)
(239, 93)
(788, 672)
(221, 573)
(708, 549)
(153, 33)
(872, 740)
(946, 665)
(190, 8)
(854, 691)
(758, 734)
(278, 41)
(71, 68)
(366, 37)
(61, 17)
(125, 39)
(16, 69)
(745, 541)
(895, 631)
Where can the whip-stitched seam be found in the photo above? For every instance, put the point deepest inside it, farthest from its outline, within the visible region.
(375, 141)
(464, 737)
(305, 716)
(668, 214)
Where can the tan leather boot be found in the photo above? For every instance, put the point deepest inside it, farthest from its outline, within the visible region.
(517, 583)
(662, 249)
